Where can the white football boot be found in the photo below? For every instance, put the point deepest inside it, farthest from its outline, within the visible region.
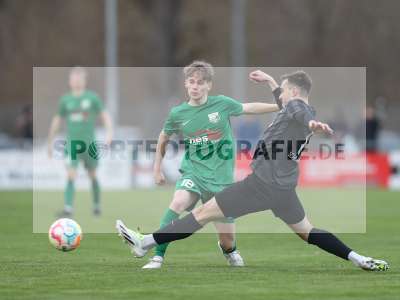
(234, 258)
(371, 264)
(154, 263)
(131, 238)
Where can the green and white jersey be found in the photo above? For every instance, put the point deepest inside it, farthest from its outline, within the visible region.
(81, 114)
(209, 145)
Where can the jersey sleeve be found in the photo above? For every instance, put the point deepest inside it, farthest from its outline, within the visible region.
(98, 103)
(62, 111)
(300, 111)
(170, 125)
(233, 107)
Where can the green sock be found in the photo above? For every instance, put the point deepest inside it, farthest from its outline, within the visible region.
(96, 193)
(69, 195)
(168, 217)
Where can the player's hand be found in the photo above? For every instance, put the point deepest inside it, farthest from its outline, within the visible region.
(320, 127)
(159, 178)
(260, 76)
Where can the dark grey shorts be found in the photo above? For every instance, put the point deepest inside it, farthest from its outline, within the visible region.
(252, 195)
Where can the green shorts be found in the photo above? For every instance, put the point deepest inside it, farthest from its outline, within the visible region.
(205, 190)
(90, 162)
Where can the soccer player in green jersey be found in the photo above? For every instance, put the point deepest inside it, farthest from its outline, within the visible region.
(80, 108)
(208, 164)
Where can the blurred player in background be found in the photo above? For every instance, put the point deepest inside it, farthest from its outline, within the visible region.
(208, 164)
(80, 108)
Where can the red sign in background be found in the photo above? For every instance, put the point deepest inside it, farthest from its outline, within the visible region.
(350, 170)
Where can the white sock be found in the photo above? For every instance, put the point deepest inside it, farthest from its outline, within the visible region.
(148, 242)
(356, 258)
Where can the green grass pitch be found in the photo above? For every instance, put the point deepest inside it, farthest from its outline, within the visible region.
(279, 266)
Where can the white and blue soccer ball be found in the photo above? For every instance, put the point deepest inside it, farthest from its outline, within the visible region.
(65, 234)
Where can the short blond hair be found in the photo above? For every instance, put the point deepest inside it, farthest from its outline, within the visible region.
(204, 68)
(78, 70)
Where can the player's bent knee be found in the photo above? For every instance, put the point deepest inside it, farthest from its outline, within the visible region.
(302, 228)
(177, 206)
(71, 178)
(181, 201)
(71, 175)
(92, 174)
(208, 212)
(303, 236)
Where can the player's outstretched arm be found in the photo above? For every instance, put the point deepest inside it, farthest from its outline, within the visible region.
(54, 128)
(107, 122)
(259, 76)
(163, 139)
(259, 108)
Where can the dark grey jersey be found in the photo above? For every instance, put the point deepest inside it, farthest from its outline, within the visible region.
(276, 157)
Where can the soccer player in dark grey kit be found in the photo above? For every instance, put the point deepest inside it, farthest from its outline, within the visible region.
(272, 184)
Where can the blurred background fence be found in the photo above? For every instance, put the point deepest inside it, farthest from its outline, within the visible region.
(231, 33)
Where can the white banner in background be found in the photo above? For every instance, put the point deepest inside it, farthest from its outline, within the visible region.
(15, 170)
(22, 170)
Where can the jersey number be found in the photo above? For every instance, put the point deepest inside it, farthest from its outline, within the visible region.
(187, 183)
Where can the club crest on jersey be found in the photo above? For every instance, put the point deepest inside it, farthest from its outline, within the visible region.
(214, 117)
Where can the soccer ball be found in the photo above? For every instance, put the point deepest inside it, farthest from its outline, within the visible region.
(65, 234)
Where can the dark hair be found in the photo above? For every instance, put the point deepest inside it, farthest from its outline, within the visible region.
(300, 79)
(206, 70)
